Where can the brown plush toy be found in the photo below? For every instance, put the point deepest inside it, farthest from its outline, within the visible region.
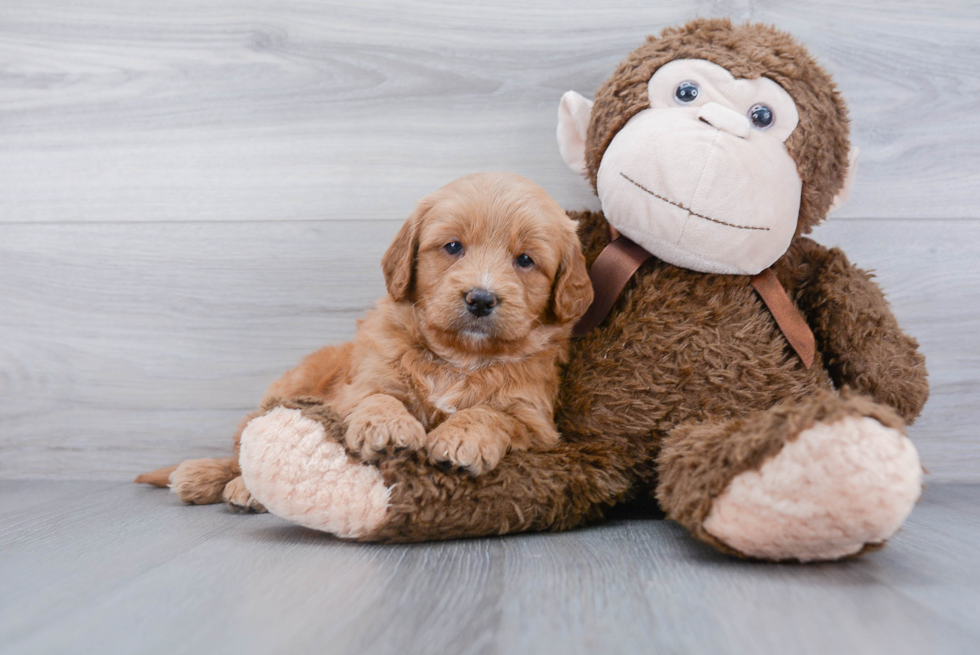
(752, 380)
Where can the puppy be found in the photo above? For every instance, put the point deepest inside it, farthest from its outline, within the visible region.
(461, 359)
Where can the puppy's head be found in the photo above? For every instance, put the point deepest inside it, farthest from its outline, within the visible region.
(492, 265)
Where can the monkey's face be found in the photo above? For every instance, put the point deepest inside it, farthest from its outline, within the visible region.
(702, 179)
(713, 145)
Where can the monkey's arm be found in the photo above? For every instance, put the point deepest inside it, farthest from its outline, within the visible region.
(551, 489)
(862, 344)
(294, 462)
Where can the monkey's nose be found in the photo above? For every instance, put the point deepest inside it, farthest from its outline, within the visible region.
(725, 119)
(480, 302)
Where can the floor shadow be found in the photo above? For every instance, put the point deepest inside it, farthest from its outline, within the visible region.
(294, 534)
(640, 508)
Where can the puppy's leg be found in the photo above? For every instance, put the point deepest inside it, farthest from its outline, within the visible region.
(474, 438)
(381, 421)
(202, 481)
(319, 375)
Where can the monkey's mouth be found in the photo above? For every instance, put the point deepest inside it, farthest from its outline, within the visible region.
(688, 209)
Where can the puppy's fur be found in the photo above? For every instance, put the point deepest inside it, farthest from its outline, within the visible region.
(428, 371)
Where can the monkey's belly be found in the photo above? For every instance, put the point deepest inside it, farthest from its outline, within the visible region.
(678, 347)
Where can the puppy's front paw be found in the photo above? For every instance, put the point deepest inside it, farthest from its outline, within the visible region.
(375, 427)
(476, 448)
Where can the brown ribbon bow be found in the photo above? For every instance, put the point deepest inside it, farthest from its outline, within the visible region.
(620, 260)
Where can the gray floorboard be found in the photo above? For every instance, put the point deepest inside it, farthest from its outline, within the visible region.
(116, 568)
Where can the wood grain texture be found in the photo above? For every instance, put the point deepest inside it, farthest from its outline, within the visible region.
(123, 345)
(116, 568)
(115, 110)
(129, 346)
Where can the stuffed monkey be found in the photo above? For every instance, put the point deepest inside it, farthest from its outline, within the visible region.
(751, 380)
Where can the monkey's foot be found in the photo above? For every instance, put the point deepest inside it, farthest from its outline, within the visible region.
(835, 490)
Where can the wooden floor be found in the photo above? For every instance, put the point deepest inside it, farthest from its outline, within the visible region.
(107, 567)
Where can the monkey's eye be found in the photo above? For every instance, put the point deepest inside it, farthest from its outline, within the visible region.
(686, 92)
(453, 247)
(761, 116)
(524, 260)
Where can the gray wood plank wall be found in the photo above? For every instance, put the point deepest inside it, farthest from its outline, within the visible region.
(193, 195)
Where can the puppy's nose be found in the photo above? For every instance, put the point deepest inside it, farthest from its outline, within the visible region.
(480, 302)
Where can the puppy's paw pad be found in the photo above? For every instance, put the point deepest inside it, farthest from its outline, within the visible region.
(479, 456)
(475, 453)
(372, 436)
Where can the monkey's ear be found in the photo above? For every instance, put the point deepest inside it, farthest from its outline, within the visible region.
(398, 263)
(573, 124)
(845, 191)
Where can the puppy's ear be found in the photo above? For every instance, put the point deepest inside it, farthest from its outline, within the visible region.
(573, 288)
(398, 263)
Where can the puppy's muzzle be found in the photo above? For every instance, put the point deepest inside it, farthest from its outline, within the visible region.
(480, 302)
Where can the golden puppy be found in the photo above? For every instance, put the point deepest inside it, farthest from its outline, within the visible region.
(485, 281)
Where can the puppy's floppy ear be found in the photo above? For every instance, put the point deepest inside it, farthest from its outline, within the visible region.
(398, 263)
(573, 288)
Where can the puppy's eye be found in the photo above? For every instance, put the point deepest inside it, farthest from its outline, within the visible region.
(453, 247)
(524, 261)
